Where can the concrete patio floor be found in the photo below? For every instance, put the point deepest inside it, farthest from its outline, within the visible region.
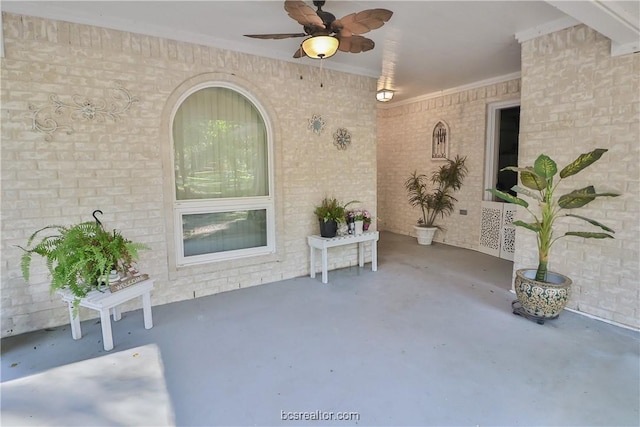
(428, 339)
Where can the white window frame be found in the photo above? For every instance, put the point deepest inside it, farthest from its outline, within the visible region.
(186, 207)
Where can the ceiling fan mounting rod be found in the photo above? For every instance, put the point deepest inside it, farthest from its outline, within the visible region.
(318, 4)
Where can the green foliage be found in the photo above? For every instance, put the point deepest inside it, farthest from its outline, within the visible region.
(332, 209)
(440, 202)
(533, 227)
(77, 256)
(582, 162)
(528, 177)
(508, 197)
(526, 191)
(540, 177)
(531, 180)
(544, 167)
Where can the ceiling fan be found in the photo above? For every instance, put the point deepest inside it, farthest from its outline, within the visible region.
(325, 33)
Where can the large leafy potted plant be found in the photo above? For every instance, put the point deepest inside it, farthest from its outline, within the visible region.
(438, 202)
(541, 293)
(80, 257)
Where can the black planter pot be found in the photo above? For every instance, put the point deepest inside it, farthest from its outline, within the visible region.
(328, 228)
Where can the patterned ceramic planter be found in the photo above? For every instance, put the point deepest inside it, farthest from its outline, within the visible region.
(542, 299)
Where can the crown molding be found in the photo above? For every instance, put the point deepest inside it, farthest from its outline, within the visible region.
(457, 89)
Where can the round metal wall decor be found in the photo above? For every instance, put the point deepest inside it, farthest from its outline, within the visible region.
(316, 124)
(342, 139)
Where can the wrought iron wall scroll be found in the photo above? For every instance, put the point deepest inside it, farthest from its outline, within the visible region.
(440, 141)
(80, 108)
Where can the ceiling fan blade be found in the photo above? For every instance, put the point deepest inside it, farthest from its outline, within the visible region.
(304, 14)
(299, 53)
(275, 36)
(361, 22)
(355, 44)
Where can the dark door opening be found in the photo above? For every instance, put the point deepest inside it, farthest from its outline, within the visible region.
(509, 120)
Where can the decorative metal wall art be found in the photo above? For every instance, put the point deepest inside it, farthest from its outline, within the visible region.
(342, 139)
(80, 108)
(497, 232)
(316, 124)
(490, 219)
(440, 141)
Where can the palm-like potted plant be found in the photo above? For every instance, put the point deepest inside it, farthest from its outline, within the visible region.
(80, 257)
(440, 201)
(543, 294)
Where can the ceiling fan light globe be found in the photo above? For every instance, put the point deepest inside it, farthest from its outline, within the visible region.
(384, 95)
(320, 47)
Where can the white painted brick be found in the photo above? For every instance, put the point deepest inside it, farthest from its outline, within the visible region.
(604, 106)
(568, 100)
(466, 116)
(117, 166)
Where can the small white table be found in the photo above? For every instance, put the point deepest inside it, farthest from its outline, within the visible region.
(107, 302)
(323, 243)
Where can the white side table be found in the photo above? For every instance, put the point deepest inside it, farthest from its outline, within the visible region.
(323, 243)
(107, 302)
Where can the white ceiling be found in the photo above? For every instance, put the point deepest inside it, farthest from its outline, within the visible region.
(426, 47)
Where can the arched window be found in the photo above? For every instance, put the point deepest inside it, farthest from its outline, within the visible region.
(222, 174)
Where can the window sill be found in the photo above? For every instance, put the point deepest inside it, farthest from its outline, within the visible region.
(177, 272)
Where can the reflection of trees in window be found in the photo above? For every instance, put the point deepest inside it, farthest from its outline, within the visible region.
(224, 209)
(220, 146)
(223, 231)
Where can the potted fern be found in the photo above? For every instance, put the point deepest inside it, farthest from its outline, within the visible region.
(80, 257)
(543, 294)
(440, 201)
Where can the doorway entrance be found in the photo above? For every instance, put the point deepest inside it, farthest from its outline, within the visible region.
(497, 233)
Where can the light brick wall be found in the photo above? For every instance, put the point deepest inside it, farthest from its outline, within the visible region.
(576, 97)
(121, 167)
(404, 145)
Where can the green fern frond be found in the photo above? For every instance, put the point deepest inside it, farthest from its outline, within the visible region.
(78, 255)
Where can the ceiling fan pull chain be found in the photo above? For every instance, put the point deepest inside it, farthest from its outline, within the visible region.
(321, 58)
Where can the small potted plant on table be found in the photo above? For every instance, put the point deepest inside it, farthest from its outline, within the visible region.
(80, 257)
(357, 217)
(367, 219)
(330, 213)
(361, 219)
